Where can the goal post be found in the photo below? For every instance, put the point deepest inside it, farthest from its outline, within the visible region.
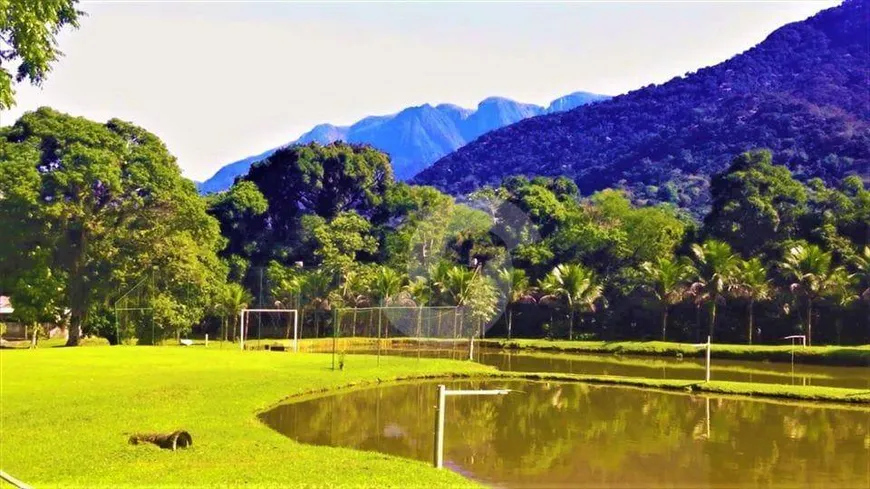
(402, 330)
(245, 314)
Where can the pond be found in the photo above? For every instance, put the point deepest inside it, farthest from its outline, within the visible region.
(580, 435)
(657, 368)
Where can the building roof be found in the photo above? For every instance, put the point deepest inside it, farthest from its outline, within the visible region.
(5, 305)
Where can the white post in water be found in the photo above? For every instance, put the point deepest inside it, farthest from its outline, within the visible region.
(439, 428)
(708, 359)
(439, 416)
(471, 349)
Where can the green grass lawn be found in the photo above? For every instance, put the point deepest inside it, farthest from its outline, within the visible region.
(856, 356)
(67, 413)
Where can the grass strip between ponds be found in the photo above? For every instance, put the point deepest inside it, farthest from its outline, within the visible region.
(845, 356)
(835, 395)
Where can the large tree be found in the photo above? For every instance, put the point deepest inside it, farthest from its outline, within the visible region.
(27, 40)
(310, 180)
(106, 203)
(756, 204)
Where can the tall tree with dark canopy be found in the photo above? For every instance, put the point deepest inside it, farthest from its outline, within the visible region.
(756, 204)
(104, 203)
(310, 180)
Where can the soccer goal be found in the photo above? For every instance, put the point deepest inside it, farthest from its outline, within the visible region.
(403, 331)
(245, 324)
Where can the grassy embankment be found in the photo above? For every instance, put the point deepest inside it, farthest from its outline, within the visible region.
(66, 413)
(846, 356)
(855, 356)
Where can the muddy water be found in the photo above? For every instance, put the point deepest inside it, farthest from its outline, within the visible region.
(577, 435)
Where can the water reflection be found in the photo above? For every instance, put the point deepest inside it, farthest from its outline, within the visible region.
(572, 434)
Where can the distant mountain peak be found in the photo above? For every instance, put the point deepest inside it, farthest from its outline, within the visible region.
(414, 137)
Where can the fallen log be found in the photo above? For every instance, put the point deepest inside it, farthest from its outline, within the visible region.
(169, 441)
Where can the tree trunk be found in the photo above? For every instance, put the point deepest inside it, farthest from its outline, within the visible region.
(75, 327)
(712, 317)
(751, 322)
(664, 322)
(809, 322)
(316, 323)
(77, 289)
(419, 322)
(571, 326)
(353, 325)
(510, 320)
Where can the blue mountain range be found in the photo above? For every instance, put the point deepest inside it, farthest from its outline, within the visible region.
(417, 136)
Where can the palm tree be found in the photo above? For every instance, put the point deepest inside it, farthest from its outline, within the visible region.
(316, 287)
(752, 284)
(287, 292)
(515, 285)
(387, 283)
(843, 293)
(576, 285)
(419, 290)
(668, 279)
(862, 263)
(810, 268)
(456, 283)
(235, 299)
(717, 266)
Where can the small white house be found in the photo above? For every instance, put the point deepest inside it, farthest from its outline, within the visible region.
(6, 305)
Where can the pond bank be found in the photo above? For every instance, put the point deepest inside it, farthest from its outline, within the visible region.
(844, 356)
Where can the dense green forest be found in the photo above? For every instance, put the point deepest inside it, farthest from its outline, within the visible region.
(90, 210)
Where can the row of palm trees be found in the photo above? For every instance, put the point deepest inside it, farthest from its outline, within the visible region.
(717, 273)
(713, 273)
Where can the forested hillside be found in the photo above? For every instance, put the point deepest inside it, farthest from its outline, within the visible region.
(802, 92)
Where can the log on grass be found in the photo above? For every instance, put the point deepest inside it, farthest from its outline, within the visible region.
(170, 441)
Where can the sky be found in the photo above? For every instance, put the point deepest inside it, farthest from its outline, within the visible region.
(218, 81)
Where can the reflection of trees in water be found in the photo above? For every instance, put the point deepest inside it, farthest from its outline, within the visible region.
(572, 432)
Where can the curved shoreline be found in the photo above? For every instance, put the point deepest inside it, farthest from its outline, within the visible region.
(841, 356)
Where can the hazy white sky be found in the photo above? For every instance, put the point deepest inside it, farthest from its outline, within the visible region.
(219, 81)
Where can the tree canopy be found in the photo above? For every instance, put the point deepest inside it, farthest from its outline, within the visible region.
(94, 208)
(27, 32)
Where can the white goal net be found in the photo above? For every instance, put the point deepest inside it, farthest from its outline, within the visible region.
(257, 324)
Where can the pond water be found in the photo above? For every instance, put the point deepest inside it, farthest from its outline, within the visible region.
(578, 435)
(657, 368)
